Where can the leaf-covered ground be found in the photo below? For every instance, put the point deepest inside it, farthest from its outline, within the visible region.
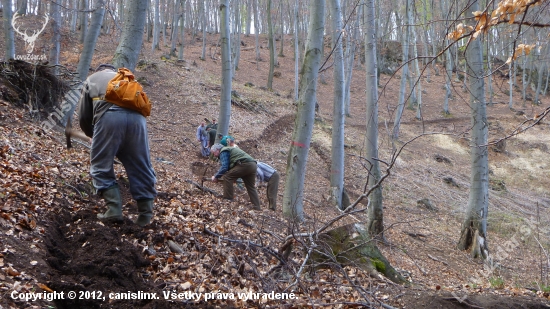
(199, 245)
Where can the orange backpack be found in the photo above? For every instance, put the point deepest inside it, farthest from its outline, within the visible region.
(125, 92)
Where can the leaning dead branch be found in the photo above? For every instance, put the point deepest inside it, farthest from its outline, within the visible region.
(244, 242)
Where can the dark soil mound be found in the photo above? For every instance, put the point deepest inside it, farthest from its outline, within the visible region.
(99, 263)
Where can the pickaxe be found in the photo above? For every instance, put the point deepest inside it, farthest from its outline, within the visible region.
(70, 132)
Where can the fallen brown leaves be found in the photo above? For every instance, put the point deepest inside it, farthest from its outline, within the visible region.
(197, 244)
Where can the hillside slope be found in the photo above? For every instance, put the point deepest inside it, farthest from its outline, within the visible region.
(51, 239)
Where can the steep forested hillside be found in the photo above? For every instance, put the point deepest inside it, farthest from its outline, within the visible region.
(201, 251)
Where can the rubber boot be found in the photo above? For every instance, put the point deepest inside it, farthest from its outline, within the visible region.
(145, 210)
(113, 203)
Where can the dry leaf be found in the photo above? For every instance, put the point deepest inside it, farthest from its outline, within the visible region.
(10, 271)
(45, 287)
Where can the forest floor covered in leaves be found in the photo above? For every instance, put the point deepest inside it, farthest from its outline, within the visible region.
(50, 239)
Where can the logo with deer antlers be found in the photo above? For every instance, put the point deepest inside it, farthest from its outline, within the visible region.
(29, 39)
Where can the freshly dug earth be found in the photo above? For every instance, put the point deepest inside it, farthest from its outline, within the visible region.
(58, 244)
(82, 255)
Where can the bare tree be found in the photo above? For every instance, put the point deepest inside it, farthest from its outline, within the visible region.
(224, 117)
(175, 28)
(338, 117)
(22, 9)
(236, 40)
(448, 62)
(56, 34)
(128, 49)
(83, 19)
(376, 214)
(271, 43)
(404, 70)
(256, 30)
(203, 25)
(281, 49)
(474, 229)
(351, 46)
(296, 51)
(156, 25)
(8, 29)
(248, 19)
(91, 39)
(74, 15)
(182, 29)
(303, 126)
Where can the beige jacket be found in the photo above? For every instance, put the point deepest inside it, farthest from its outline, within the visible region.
(92, 106)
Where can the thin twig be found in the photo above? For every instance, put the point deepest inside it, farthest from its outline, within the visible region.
(244, 242)
(75, 190)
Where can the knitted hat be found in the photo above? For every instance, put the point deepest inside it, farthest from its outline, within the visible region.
(225, 140)
(216, 147)
(104, 66)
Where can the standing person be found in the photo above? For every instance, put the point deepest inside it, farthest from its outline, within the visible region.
(120, 132)
(266, 173)
(212, 125)
(202, 137)
(212, 132)
(235, 163)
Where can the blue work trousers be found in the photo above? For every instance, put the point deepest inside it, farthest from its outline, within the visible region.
(122, 133)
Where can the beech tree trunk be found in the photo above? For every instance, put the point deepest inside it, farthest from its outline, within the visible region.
(448, 62)
(271, 44)
(225, 100)
(293, 208)
(74, 15)
(203, 24)
(376, 214)
(296, 52)
(337, 150)
(90, 41)
(511, 72)
(236, 42)
(281, 49)
(404, 71)
(128, 49)
(351, 47)
(248, 18)
(8, 30)
(56, 35)
(474, 229)
(256, 30)
(83, 20)
(22, 9)
(156, 25)
(182, 29)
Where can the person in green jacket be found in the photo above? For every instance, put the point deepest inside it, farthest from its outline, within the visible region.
(235, 163)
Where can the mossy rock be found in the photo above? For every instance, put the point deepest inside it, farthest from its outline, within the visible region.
(350, 245)
(497, 184)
